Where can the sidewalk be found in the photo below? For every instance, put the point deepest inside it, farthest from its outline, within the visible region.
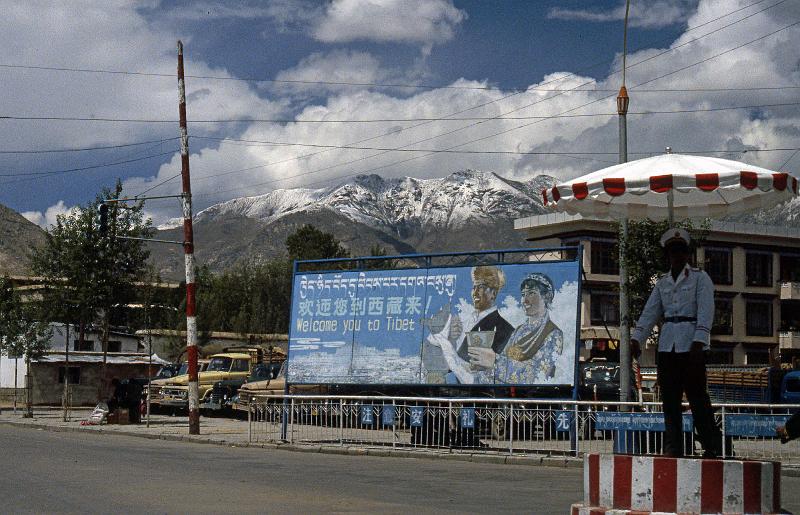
(232, 432)
(223, 431)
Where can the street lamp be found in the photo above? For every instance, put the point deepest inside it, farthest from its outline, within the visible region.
(624, 316)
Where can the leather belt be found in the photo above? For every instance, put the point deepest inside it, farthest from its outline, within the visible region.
(677, 320)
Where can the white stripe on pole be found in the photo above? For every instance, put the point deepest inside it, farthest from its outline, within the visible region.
(733, 491)
(586, 485)
(606, 477)
(689, 476)
(191, 329)
(767, 469)
(642, 483)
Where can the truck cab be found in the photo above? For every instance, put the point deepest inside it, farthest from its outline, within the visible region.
(790, 388)
(174, 392)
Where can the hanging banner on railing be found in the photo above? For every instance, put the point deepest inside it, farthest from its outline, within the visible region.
(507, 324)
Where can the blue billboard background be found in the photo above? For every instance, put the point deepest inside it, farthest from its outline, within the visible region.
(424, 326)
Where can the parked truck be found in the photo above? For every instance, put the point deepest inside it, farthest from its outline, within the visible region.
(225, 391)
(232, 363)
(766, 385)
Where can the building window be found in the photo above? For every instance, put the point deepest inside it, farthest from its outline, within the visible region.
(759, 268)
(756, 356)
(720, 355)
(790, 268)
(759, 318)
(723, 316)
(86, 346)
(605, 258)
(74, 375)
(790, 315)
(604, 308)
(719, 265)
(114, 346)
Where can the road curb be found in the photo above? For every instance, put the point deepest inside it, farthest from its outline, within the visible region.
(498, 459)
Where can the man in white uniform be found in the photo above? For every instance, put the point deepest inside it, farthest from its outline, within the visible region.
(684, 299)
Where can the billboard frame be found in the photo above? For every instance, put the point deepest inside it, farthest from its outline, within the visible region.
(320, 266)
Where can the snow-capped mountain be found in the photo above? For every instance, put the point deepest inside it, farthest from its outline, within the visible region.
(399, 206)
(402, 215)
(467, 210)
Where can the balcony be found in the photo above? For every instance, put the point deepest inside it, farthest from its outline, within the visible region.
(790, 340)
(790, 291)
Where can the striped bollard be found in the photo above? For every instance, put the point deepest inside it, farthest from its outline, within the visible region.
(620, 484)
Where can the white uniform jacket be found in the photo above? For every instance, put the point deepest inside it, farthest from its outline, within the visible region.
(686, 307)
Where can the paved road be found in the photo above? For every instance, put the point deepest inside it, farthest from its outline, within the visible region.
(90, 473)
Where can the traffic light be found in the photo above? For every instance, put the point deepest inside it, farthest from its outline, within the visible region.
(102, 211)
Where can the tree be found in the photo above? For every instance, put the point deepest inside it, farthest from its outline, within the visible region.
(23, 332)
(308, 242)
(87, 272)
(255, 297)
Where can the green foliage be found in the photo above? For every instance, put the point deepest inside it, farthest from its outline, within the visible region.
(22, 330)
(85, 271)
(256, 297)
(248, 298)
(645, 259)
(308, 242)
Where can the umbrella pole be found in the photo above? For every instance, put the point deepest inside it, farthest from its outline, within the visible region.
(671, 208)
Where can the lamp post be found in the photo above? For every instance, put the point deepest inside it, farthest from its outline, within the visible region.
(624, 317)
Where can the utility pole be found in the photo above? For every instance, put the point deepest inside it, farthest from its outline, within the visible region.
(188, 251)
(624, 319)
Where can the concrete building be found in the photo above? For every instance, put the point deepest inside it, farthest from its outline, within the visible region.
(755, 269)
(123, 360)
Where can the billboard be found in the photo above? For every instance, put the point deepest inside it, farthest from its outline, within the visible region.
(504, 324)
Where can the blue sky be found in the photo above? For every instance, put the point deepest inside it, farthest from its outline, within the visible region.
(498, 54)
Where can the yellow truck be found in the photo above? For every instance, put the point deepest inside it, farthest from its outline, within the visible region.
(232, 363)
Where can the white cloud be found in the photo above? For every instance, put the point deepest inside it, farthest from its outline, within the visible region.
(48, 218)
(288, 166)
(423, 22)
(108, 36)
(344, 66)
(652, 14)
(224, 171)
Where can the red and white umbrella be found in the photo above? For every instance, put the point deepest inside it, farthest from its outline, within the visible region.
(689, 186)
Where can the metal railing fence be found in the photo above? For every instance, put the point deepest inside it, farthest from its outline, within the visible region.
(518, 427)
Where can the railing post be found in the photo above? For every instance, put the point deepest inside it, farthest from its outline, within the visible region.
(250, 423)
(394, 427)
(291, 421)
(723, 433)
(341, 422)
(449, 435)
(577, 432)
(511, 429)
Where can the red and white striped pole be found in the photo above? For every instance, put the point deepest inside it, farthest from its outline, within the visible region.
(188, 251)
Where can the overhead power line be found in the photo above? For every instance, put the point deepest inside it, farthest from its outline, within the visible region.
(83, 168)
(86, 149)
(260, 143)
(380, 120)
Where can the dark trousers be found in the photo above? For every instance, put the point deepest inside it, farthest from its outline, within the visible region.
(680, 372)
